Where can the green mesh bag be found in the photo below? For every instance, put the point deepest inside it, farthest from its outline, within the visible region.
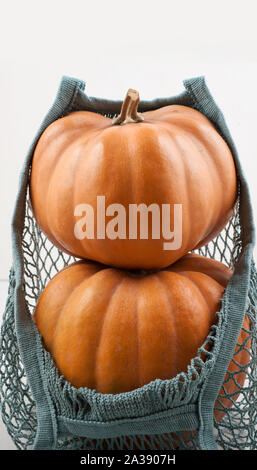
(41, 410)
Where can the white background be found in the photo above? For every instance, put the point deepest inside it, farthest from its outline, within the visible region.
(114, 45)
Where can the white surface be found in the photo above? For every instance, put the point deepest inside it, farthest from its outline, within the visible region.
(148, 45)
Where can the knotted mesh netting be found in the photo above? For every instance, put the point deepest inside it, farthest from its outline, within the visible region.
(234, 418)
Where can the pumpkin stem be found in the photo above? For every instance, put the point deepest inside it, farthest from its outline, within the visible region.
(129, 107)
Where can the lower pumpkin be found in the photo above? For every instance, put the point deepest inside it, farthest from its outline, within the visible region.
(114, 331)
(222, 403)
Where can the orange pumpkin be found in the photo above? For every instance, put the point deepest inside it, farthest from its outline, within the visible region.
(114, 330)
(171, 155)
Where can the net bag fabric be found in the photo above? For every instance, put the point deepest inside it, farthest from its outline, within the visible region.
(41, 410)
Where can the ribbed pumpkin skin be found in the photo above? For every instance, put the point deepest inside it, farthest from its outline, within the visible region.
(175, 156)
(113, 331)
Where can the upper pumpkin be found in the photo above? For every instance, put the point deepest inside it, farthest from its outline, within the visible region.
(172, 155)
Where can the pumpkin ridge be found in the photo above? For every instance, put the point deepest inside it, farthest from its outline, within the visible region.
(77, 143)
(57, 160)
(95, 115)
(189, 123)
(185, 274)
(114, 291)
(80, 242)
(196, 289)
(212, 315)
(55, 352)
(192, 141)
(201, 274)
(52, 139)
(210, 267)
(183, 167)
(161, 280)
(67, 300)
(188, 134)
(38, 161)
(93, 246)
(37, 316)
(207, 150)
(185, 174)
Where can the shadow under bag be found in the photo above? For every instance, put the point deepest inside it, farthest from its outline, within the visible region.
(41, 410)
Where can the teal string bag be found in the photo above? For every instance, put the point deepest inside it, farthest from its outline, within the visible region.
(41, 410)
